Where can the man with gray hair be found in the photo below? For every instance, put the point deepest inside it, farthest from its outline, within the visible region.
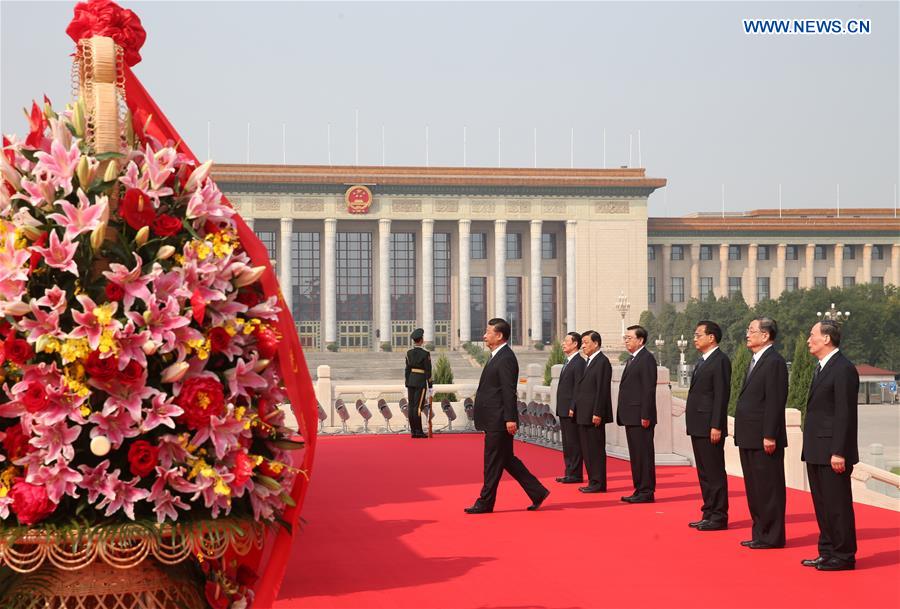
(760, 434)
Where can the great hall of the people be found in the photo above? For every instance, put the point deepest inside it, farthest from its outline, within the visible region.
(371, 253)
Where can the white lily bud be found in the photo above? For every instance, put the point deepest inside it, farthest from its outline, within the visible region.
(112, 171)
(98, 235)
(142, 235)
(248, 276)
(175, 372)
(83, 172)
(198, 176)
(165, 252)
(33, 233)
(78, 118)
(150, 347)
(41, 343)
(16, 308)
(261, 365)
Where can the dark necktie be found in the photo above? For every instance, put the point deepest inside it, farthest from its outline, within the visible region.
(697, 366)
(817, 371)
(750, 368)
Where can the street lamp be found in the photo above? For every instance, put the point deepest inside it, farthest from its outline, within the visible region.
(622, 307)
(682, 344)
(833, 314)
(660, 343)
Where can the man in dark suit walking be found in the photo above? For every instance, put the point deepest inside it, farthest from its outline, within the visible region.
(707, 424)
(830, 448)
(418, 381)
(760, 434)
(593, 410)
(636, 411)
(571, 373)
(497, 416)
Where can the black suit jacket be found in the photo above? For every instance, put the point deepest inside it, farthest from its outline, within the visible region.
(637, 390)
(495, 399)
(593, 395)
(831, 413)
(568, 380)
(760, 407)
(707, 402)
(419, 359)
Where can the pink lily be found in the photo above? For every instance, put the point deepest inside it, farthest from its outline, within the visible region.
(59, 480)
(133, 281)
(95, 480)
(131, 345)
(60, 165)
(161, 412)
(43, 324)
(59, 254)
(242, 377)
(89, 326)
(54, 298)
(82, 219)
(223, 432)
(116, 427)
(56, 441)
(122, 496)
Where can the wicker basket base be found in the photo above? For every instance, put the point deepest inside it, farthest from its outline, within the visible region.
(100, 586)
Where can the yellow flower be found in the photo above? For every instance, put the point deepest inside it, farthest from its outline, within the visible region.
(52, 345)
(221, 488)
(108, 342)
(104, 313)
(74, 349)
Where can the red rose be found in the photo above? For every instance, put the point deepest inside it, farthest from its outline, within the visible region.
(114, 292)
(36, 256)
(200, 398)
(35, 398)
(243, 469)
(133, 374)
(5, 327)
(165, 225)
(219, 339)
(106, 18)
(30, 502)
(249, 297)
(216, 595)
(267, 342)
(246, 576)
(136, 209)
(142, 458)
(272, 471)
(16, 442)
(17, 350)
(101, 368)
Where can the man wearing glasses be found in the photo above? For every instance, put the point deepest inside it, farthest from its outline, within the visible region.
(637, 413)
(759, 433)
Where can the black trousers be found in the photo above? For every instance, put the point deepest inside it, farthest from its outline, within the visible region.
(643, 459)
(498, 456)
(833, 502)
(766, 495)
(572, 455)
(710, 459)
(593, 447)
(417, 397)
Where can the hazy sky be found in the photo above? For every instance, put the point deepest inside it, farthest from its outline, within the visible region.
(713, 105)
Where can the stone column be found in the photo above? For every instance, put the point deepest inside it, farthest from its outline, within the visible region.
(428, 279)
(666, 291)
(329, 270)
(571, 225)
(464, 316)
(750, 291)
(867, 263)
(779, 276)
(284, 262)
(695, 271)
(499, 269)
(809, 271)
(535, 281)
(838, 265)
(384, 280)
(895, 264)
(723, 271)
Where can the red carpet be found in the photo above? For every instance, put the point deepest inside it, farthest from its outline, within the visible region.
(385, 528)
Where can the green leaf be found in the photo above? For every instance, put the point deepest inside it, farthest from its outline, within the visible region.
(105, 156)
(288, 444)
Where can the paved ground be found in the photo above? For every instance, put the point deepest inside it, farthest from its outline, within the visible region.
(880, 423)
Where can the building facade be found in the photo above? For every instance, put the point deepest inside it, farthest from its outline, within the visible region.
(371, 253)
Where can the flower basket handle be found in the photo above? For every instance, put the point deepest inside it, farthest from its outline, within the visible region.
(100, 88)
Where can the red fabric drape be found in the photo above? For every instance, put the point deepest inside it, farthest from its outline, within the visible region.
(270, 564)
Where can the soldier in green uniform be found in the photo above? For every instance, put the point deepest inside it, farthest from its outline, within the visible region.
(418, 381)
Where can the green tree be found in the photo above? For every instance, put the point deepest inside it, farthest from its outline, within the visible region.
(802, 367)
(443, 375)
(739, 364)
(556, 357)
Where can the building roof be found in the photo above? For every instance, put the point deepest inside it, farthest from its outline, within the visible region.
(864, 220)
(867, 370)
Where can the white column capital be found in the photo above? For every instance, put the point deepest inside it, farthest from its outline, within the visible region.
(465, 222)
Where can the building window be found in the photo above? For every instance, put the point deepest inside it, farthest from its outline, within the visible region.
(677, 252)
(762, 289)
(820, 282)
(792, 252)
(849, 282)
(403, 276)
(268, 239)
(849, 252)
(877, 252)
(651, 252)
(734, 252)
(514, 309)
(442, 276)
(791, 284)
(706, 252)
(548, 309)
(305, 278)
(762, 252)
(734, 286)
(513, 246)
(548, 246)
(477, 307)
(821, 253)
(677, 289)
(651, 290)
(878, 280)
(478, 246)
(354, 276)
(706, 288)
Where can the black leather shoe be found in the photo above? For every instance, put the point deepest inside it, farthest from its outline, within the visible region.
(758, 545)
(642, 499)
(569, 480)
(477, 509)
(747, 543)
(697, 523)
(713, 526)
(535, 505)
(627, 498)
(591, 489)
(813, 562)
(835, 564)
